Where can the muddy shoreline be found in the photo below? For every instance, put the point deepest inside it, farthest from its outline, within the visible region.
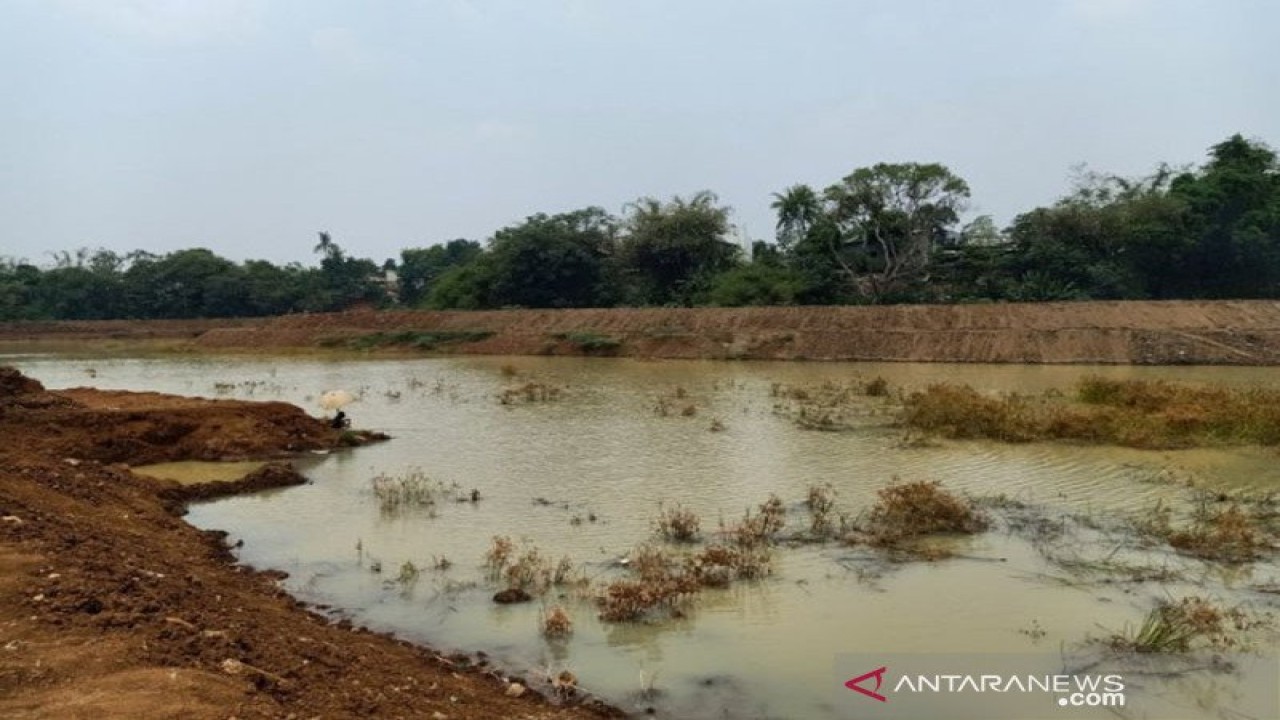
(1185, 332)
(112, 606)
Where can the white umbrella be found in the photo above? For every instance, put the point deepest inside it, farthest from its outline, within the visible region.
(336, 399)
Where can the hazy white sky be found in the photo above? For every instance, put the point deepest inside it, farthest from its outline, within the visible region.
(245, 126)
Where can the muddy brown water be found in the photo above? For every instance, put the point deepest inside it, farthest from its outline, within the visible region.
(583, 476)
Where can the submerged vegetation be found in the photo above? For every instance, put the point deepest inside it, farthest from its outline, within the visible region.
(830, 406)
(533, 391)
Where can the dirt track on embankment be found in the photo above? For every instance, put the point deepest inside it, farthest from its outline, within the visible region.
(1236, 332)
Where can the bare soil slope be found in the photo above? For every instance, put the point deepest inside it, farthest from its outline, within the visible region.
(1240, 332)
(112, 607)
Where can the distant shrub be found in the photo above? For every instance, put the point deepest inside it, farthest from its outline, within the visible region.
(592, 343)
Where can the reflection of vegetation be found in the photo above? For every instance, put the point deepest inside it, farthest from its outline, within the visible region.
(1135, 413)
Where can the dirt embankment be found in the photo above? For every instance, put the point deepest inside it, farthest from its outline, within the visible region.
(112, 607)
(1243, 332)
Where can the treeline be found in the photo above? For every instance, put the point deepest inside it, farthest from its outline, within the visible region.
(887, 233)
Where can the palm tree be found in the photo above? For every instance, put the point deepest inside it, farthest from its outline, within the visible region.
(798, 209)
(326, 246)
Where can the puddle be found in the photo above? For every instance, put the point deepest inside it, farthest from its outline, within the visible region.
(195, 472)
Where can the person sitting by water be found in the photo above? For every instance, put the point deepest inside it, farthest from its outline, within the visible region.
(340, 421)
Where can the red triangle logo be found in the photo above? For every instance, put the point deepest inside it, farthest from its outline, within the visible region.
(878, 674)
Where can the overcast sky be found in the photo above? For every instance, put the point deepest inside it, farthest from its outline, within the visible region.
(245, 126)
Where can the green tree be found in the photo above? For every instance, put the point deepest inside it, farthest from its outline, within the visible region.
(889, 217)
(1233, 211)
(182, 284)
(757, 283)
(553, 261)
(465, 287)
(799, 209)
(671, 251)
(345, 280)
(420, 268)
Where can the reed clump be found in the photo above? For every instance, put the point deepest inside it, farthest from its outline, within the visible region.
(678, 524)
(556, 623)
(829, 407)
(1227, 534)
(913, 510)
(527, 569)
(821, 501)
(665, 584)
(718, 565)
(409, 489)
(1177, 627)
(757, 529)
(1134, 413)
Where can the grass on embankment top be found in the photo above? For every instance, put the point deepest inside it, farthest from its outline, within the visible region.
(1133, 413)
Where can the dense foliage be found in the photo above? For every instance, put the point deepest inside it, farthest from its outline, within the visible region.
(886, 233)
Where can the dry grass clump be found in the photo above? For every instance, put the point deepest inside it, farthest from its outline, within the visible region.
(1134, 413)
(530, 392)
(556, 622)
(829, 407)
(664, 584)
(757, 529)
(650, 562)
(500, 550)
(627, 600)
(1175, 627)
(678, 524)
(719, 565)
(959, 411)
(529, 570)
(675, 403)
(909, 511)
(410, 489)
(821, 501)
(1227, 534)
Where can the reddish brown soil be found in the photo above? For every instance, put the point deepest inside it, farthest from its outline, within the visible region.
(111, 606)
(1237, 332)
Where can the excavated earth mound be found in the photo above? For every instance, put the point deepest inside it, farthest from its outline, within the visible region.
(111, 606)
